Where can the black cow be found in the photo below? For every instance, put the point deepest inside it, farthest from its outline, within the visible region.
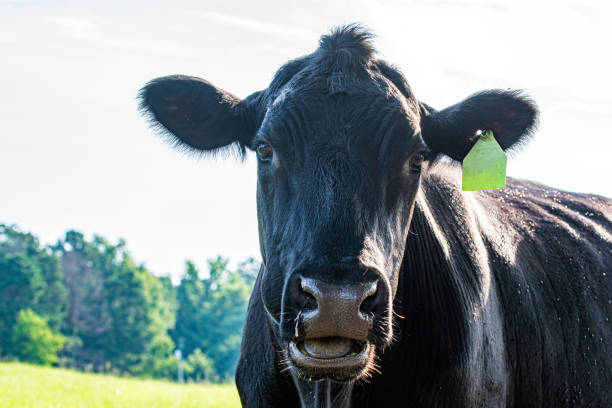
(382, 282)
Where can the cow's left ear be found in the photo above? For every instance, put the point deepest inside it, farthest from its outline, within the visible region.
(194, 114)
(511, 116)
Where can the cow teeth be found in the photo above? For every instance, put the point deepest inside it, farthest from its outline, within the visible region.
(328, 347)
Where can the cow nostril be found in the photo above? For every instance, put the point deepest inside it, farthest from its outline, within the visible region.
(309, 300)
(310, 303)
(370, 302)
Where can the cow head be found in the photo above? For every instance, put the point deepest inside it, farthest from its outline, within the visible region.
(342, 145)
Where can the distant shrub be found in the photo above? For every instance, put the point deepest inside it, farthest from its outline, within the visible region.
(33, 339)
(158, 361)
(203, 368)
(67, 355)
(168, 368)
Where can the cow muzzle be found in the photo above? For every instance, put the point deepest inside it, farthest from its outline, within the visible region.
(333, 326)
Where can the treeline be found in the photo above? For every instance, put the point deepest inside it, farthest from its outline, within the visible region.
(86, 304)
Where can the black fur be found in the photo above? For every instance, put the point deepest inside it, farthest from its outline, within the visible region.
(194, 115)
(496, 299)
(511, 116)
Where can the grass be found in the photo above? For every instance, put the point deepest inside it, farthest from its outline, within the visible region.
(27, 386)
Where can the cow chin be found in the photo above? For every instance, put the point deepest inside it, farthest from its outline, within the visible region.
(336, 358)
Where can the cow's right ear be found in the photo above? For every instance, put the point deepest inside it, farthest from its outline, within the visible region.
(196, 115)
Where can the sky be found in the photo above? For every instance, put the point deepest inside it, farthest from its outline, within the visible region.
(75, 154)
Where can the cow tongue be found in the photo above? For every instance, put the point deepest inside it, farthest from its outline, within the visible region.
(328, 347)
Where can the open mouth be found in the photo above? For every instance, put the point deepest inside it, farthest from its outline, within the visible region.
(338, 358)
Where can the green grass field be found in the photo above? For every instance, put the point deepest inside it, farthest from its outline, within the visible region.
(27, 386)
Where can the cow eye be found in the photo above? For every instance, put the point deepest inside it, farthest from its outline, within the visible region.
(264, 151)
(416, 161)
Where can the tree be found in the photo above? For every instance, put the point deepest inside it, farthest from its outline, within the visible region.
(211, 313)
(34, 340)
(87, 306)
(117, 308)
(50, 299)
(30, 278)
(188, 330)
(110, 313)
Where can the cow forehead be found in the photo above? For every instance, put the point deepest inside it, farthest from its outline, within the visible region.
(312, 80)
(361, 124)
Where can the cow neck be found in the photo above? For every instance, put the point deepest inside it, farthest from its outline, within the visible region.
(324, 394)
(437, 289)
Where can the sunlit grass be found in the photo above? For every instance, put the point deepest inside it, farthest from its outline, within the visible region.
(27, 386)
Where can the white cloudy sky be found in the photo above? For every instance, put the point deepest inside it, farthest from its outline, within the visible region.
(75, 154)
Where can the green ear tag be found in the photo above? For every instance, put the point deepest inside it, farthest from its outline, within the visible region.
(484, 167)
